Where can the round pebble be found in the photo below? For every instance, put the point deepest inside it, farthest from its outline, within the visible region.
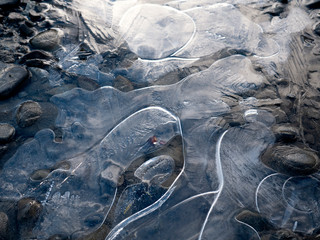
(48, 40)
(11, 78)
(291, 160)
(28, 113)
(40, 174)
(6, 132)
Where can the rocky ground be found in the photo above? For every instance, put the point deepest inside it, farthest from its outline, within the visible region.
(29, 41)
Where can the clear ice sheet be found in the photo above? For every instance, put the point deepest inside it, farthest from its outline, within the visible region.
(106, 130)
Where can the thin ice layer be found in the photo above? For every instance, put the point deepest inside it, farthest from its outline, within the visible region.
(154, 31)
(114, 118)
(290, 202)
(77, 198)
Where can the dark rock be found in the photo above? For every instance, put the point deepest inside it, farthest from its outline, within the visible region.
(11, 78)
(311, 3)
(25, 30)
(3, 149)
(28, 210)
(6, 132)
(87, 83)
(36, 54)
(16, 17)
(38, 63)
(255, 220)
(286, 132)
(34, 16)
(316, 28)
(7, 3)
(123, 84)
(282, 234)
(58, 237)
(40, 174)
(48, 40)
(4, 222)
(291, 160)
(28, 113)
(29, 23)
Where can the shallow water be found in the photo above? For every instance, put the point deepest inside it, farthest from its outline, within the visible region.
(195, 70)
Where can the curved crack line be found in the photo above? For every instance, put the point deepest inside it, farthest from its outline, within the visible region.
(221, 180)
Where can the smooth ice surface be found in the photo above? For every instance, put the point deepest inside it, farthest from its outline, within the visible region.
(154, 36)
(290, 202)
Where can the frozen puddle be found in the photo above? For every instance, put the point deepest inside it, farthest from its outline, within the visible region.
(78, 181)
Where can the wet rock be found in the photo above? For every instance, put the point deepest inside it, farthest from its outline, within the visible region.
(7, 3)
(316, 28)
(37, 63)
(11, 78)
(255, 220)
(48, 40)
(28, 113)
(28, 210)
(286, 132)
(291, 160)
(36, 54)
(34, 16)
(26, 30)
(4, 222)
(282, 234)
(311, 3)
(16, 17)
(6, 132)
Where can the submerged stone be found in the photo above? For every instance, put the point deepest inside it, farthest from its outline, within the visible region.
(28, 113)
(255, 220)
(28, 209)
(11, 78)
(6, 132)
(291, 160)
(156, 170)
(40, 174)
